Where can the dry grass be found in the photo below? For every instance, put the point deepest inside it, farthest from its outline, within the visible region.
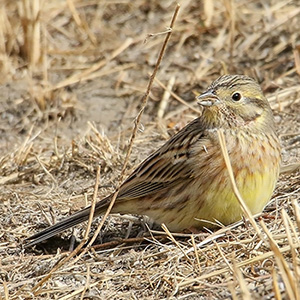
(73, 75)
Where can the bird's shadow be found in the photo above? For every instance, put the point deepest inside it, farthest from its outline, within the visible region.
(108, 238)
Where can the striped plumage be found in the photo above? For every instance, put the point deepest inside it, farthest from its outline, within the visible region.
(185, 183)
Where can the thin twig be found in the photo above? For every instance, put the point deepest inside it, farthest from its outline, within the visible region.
(146, 95)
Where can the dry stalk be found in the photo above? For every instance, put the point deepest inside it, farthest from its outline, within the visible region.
(290, 168)
(196, 253)
(231, 14)
(29, 11)
(293, 239)
(164, 100)
(286, 272)
(82, 24)
(284, 98)
(242, 283)
(179, 99)
(6, 38)
(276, 289)
(297, 213)
(247, 213)
(169, 234)
(297, 59)
(225, 259)
(46, 170)
(6, 292)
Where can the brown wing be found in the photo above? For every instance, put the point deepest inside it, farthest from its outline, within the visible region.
(165, 166)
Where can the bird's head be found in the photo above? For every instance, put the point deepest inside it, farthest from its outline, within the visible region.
(234, 101)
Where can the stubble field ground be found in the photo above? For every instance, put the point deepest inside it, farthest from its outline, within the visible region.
(73, 74)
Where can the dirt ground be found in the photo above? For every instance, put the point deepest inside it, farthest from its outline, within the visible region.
(73, 74)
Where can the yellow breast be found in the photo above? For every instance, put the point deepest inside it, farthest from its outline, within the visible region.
(255, 163)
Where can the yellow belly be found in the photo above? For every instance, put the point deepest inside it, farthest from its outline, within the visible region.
(221, 204)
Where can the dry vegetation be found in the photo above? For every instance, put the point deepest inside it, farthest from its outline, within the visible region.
(72, 78)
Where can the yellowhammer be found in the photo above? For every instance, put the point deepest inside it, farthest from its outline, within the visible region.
(185, 183)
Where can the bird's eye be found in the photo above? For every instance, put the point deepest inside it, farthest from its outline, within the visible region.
(236, 96)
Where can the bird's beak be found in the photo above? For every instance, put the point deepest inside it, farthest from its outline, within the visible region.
(208, 99)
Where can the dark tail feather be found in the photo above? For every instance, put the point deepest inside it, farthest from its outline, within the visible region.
(69, 222)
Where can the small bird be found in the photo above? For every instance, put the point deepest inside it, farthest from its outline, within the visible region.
(185, 183)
